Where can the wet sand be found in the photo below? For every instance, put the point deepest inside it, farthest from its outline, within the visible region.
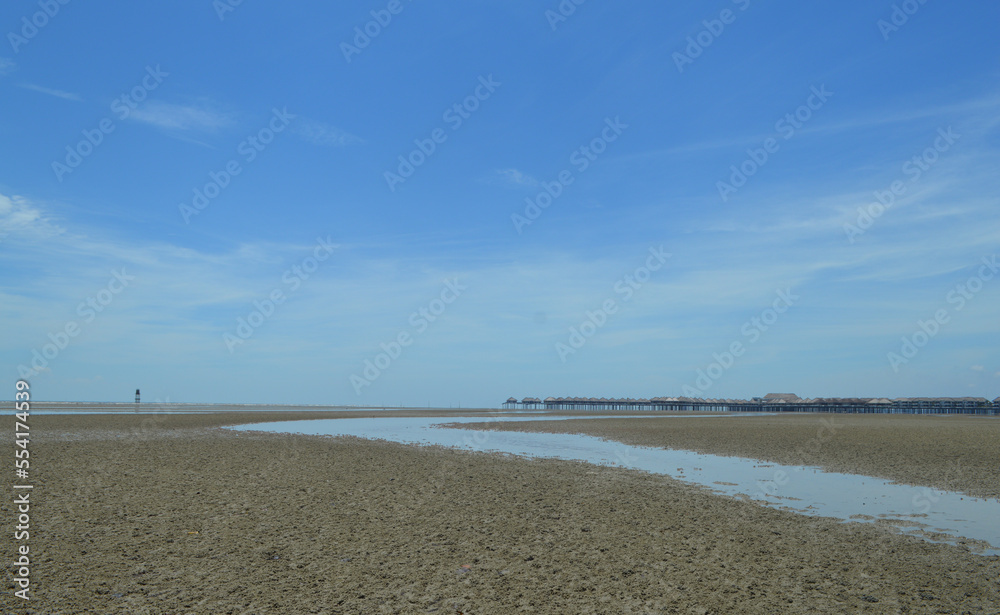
(956, 453)
(177, 516)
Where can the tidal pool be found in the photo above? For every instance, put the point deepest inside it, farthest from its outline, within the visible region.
(922, 511)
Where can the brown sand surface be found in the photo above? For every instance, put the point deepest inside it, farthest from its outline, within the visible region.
(177, 516)
(957, 453)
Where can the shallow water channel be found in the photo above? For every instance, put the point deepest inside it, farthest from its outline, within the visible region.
(923, 511)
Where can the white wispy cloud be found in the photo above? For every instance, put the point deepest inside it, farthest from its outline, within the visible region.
(19, 216)
(981, 108)
(321, 133)
(201, 117)
(979, 112)
(184, 299)
(514, 177)
(51, 92)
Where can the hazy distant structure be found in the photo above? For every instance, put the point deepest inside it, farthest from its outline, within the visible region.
(788, 398)
(137, 396)
(772, 402)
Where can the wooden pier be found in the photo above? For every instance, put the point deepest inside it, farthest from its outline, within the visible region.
(773, 402)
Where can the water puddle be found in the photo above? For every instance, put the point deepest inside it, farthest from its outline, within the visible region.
(939, 516)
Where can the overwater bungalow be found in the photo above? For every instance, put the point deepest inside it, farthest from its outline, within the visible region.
(772, 402)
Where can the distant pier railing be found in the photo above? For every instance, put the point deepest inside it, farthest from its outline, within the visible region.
(769, 403)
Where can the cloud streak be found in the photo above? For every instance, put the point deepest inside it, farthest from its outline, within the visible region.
(321, 133)
(516, 178)
(174, 117)
(51, 92)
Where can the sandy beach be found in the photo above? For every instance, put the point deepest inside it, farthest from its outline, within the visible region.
(957, 453)
(153, 515)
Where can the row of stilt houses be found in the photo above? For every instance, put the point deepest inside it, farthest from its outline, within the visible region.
(773, 402)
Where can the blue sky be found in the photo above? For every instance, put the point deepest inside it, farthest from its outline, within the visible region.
(491, 199)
